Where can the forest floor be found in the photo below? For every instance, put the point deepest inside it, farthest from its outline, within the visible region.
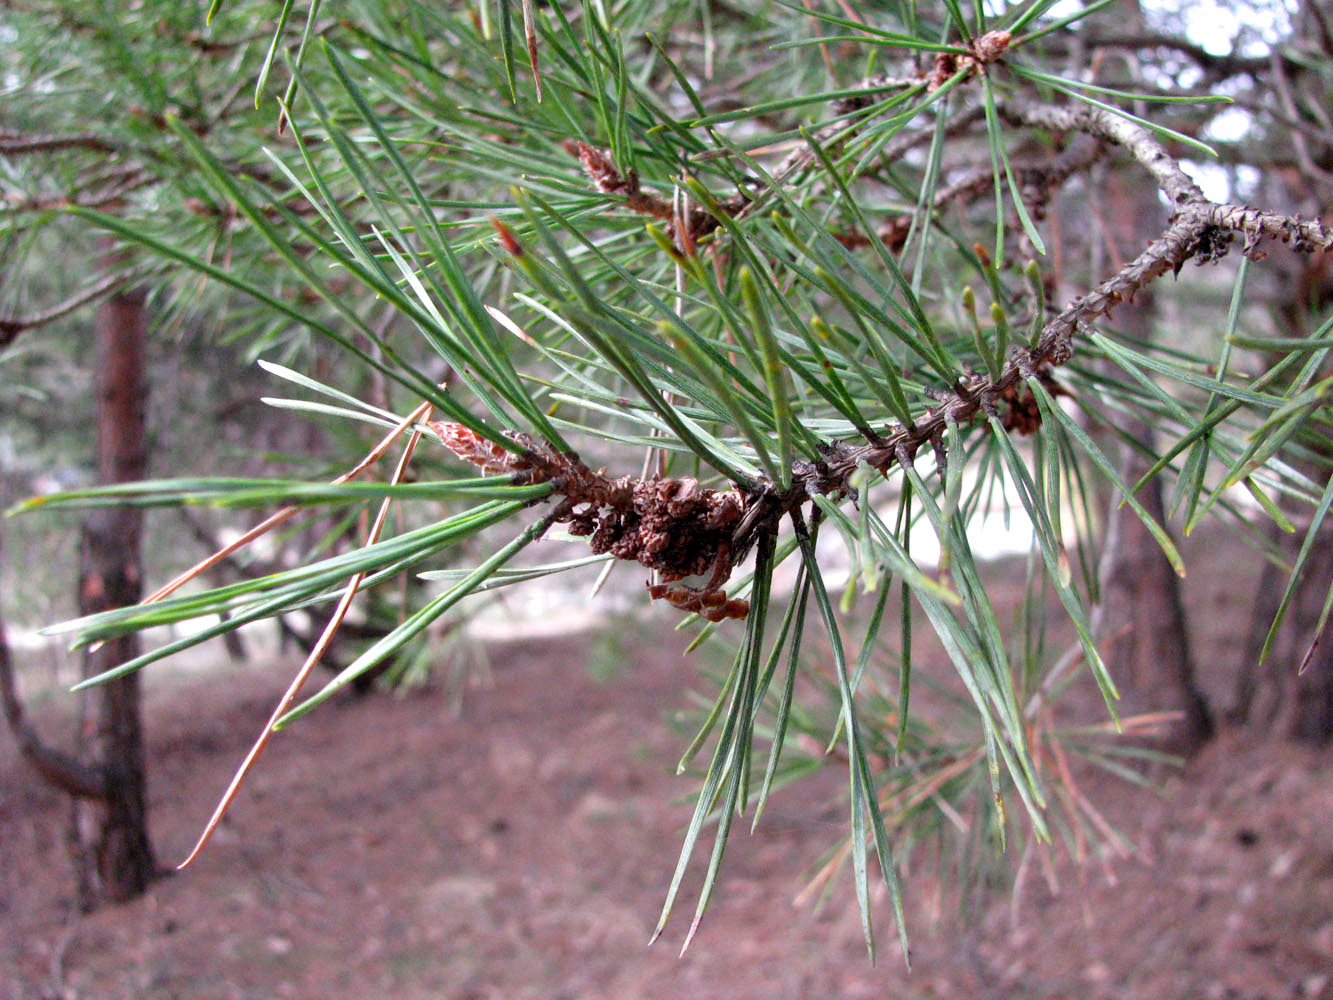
(521, 847)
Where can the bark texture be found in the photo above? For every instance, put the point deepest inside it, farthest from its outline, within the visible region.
(109, 836)
(1294, 685)
(1143, 626)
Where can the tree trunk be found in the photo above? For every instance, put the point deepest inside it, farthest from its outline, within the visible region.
(1310, 668)
(1141, 621)
(1296, 680)
(1254, 681)
(1142, 624)
(109, 837)
(1307, 660)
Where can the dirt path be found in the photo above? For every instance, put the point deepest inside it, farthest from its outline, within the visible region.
(389, 847)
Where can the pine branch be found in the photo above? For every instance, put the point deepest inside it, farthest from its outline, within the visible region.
(1217, 66)
(19, 143)
(1037, 182)
(11, 327)
(1136, 140)
(672, 526)
(1200, 229)
(60, 770)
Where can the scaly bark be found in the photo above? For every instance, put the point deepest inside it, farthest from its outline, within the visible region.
(109, 837)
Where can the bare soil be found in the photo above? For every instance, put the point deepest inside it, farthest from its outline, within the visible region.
(521, 848)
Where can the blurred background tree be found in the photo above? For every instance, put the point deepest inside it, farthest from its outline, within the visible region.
(869, 271)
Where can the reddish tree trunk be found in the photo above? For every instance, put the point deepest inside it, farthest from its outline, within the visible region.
(1295, 683)
(1310, 679)
(109, 836)
(1142, 621)
(1143, 628)
(1291, 692)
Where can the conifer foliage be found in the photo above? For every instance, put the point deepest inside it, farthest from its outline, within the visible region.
(692, 285)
